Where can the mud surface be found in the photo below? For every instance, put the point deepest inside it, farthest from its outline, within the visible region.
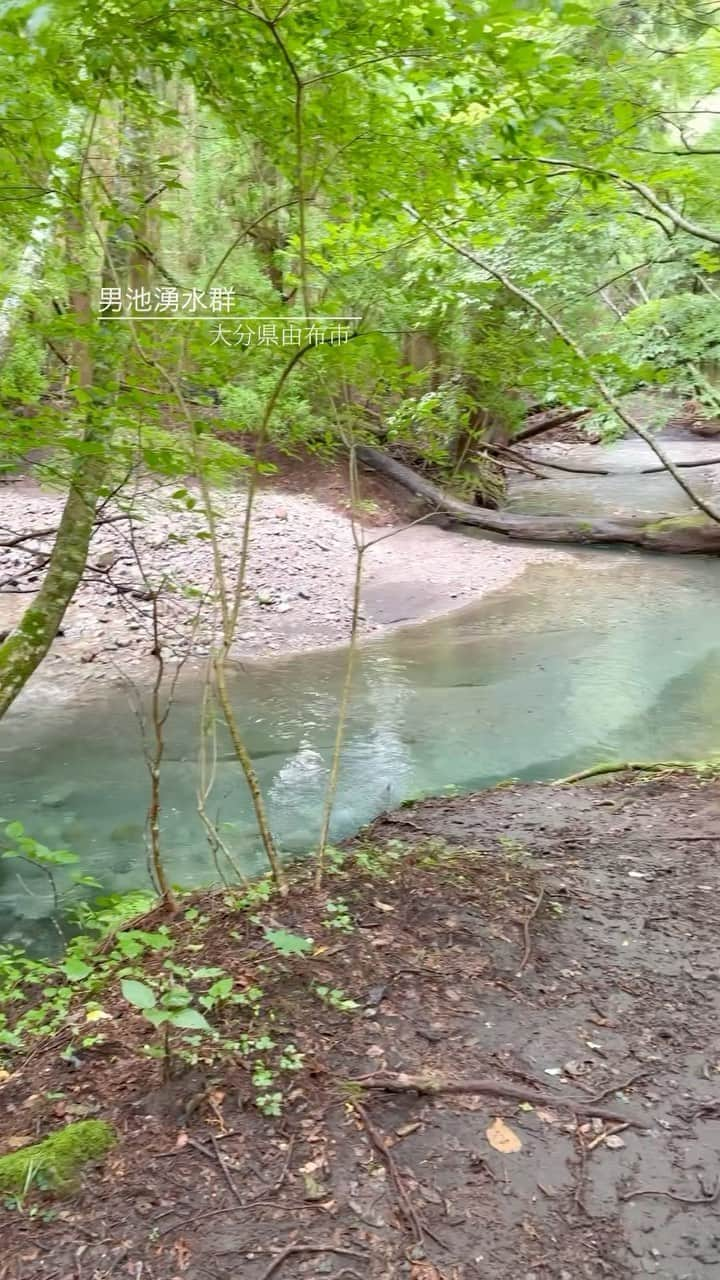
(560, 942)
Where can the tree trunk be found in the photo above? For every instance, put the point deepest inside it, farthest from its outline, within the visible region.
(685, 533)
(24, 649)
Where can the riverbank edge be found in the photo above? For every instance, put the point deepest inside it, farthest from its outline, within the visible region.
(299, 588)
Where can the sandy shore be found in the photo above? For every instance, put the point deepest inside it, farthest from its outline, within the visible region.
(299, 580)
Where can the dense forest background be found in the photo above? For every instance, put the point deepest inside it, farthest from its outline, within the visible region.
(513, 203)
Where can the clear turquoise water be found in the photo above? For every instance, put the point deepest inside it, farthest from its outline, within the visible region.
(605, 655)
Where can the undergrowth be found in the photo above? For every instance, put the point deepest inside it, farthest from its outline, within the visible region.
(130, 960)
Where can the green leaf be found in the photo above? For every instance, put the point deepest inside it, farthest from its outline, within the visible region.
(288, 944)
(75, 969)
(57, 857)
(221, 989)
(137, 993)
(192, 1019)
(157, 1016)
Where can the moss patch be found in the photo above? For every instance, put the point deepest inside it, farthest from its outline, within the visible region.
(56, 1161)
(667, 523)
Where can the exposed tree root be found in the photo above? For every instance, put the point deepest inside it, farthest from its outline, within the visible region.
(383, 1149)
(624, 766)
(291, 1249)
(436, 1086)
(707, 1198)
(527, 950)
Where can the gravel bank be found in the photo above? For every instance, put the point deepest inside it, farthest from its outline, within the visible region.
(299, 581)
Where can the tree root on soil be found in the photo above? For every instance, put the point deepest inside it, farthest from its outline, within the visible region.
(709, 1197)
(436, 1086)
(527, 921)
(291, 1249)
(625, 766)
(406, 1206)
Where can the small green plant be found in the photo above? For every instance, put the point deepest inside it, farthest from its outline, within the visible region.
(172, 1006)
(515, 850)
(335, 860)
(269, 1103)
(338, 916)
(379, 861)
(218, 993)
(24, 846)
(288, 944)
(18, 1201)
(20, 845)
(254, 895)
(335, 998)
(291, 1059)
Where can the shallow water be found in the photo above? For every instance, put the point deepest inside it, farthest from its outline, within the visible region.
(607, 654)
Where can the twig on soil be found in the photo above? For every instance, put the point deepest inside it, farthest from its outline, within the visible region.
(435, 1086)
(290, 1249)
(526, 930)
(607, 1133)
(506, 986)
(707, 1198)
(624, 1084)
(224, 1169)
(580, 1180)
(381, 1145)
(254, 1202)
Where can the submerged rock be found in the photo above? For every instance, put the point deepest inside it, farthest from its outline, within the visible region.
(58, 795)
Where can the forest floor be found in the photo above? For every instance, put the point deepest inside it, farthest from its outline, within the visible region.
(299, 580)
(553, 949)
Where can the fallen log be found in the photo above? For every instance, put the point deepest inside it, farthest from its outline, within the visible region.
(683, 534)
(549, 421)
(601, 471)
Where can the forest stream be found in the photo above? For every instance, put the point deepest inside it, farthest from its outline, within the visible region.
(605, 655)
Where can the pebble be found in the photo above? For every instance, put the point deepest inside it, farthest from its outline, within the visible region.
(301, 551)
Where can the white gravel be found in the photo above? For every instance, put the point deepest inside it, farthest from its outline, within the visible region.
(299, 581)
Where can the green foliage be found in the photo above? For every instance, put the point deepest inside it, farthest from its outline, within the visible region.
(36, 996)
(24, 846)
(22, 378)
(513, 132)
(335, 998)
(338, 916)
(19, 845)
(55, 1163)
(170, 1005)
(288, 944)
(676, 335)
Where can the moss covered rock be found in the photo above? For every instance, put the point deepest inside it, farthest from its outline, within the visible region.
(56, 1162)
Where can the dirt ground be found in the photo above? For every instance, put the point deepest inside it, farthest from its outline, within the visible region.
(554, 950)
